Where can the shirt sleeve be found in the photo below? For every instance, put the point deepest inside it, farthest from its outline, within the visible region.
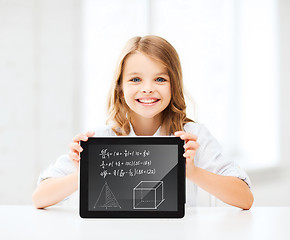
(61, 167)
(209, 155)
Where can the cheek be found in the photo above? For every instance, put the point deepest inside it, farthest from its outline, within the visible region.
(167, 94)
(128, 94)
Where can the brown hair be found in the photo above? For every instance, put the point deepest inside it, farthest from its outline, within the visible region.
(174, 115)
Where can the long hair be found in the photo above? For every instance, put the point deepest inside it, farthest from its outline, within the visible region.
(174, 115)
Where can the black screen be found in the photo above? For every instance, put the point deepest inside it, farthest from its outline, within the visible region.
(132, 177)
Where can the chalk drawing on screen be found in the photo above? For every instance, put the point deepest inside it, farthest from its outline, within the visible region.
(148, 195)
(107, 198)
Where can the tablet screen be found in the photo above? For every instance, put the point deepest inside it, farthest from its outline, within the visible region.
(128, 177)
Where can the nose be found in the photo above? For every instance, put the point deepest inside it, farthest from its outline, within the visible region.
(147, 88)
(146, 91)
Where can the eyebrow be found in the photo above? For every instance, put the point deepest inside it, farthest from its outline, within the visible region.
(136, 73)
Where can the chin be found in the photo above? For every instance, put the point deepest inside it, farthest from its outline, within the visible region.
(148, 116)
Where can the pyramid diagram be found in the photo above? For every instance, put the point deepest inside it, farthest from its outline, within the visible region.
(106, 198)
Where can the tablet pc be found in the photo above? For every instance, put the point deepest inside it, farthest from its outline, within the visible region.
(132, 177)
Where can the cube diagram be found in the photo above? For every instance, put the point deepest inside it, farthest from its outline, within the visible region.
(148, 195)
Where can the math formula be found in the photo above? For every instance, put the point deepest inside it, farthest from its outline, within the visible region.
(107, 154)
(121, 164)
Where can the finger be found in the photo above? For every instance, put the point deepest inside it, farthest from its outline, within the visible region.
(74, 156)
(90, 134)
(188, 136)
(76, 147)
(80, 137)
(74, 151)
(189, 155)
(193, 145)
(179, 133)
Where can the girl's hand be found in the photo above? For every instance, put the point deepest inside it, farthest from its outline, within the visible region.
(191, 145)
(75, 147)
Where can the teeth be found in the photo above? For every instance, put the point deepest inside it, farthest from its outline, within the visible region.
(147, 100)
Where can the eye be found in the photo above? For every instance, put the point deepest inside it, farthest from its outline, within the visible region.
(160, 79)
(135, 80)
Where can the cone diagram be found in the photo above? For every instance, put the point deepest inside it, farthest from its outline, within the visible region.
(106, 198)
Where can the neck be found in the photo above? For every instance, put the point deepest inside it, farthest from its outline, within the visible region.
(145, 126)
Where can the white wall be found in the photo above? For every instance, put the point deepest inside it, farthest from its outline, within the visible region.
(284, 22)
(39, 72)
(40, 78)
(271, 186)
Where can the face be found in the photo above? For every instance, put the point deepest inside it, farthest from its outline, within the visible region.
(146, 86)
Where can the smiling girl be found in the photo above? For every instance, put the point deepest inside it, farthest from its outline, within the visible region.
(146, 99)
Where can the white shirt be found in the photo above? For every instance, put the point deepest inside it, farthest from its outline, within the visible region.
(208, 156)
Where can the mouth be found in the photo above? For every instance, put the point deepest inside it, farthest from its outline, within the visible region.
(147, 101)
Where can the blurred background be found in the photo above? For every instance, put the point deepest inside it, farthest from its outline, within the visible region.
(57, 59)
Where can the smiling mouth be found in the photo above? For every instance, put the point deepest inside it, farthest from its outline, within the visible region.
(147, 101)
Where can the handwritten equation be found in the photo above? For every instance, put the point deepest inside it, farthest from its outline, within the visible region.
(130, 172)
(107, 154)
(127, 163)
(120, 163)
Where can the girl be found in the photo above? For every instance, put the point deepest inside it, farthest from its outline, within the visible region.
(146, 98)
